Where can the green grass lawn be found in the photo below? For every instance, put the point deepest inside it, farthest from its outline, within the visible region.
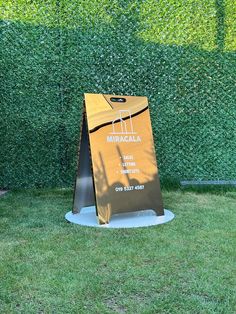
(50, 266)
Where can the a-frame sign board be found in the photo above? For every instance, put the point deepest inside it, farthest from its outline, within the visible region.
(117, 169)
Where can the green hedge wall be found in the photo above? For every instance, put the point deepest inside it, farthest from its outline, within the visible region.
(180, 54)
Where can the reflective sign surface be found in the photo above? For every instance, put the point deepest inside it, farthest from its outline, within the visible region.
(124, 169)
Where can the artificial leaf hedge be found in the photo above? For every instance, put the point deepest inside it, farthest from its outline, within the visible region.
(179, 54)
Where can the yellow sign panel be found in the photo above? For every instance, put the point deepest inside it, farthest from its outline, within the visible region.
(117, 163)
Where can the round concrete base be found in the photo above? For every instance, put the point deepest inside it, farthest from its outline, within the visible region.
(143, 218)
